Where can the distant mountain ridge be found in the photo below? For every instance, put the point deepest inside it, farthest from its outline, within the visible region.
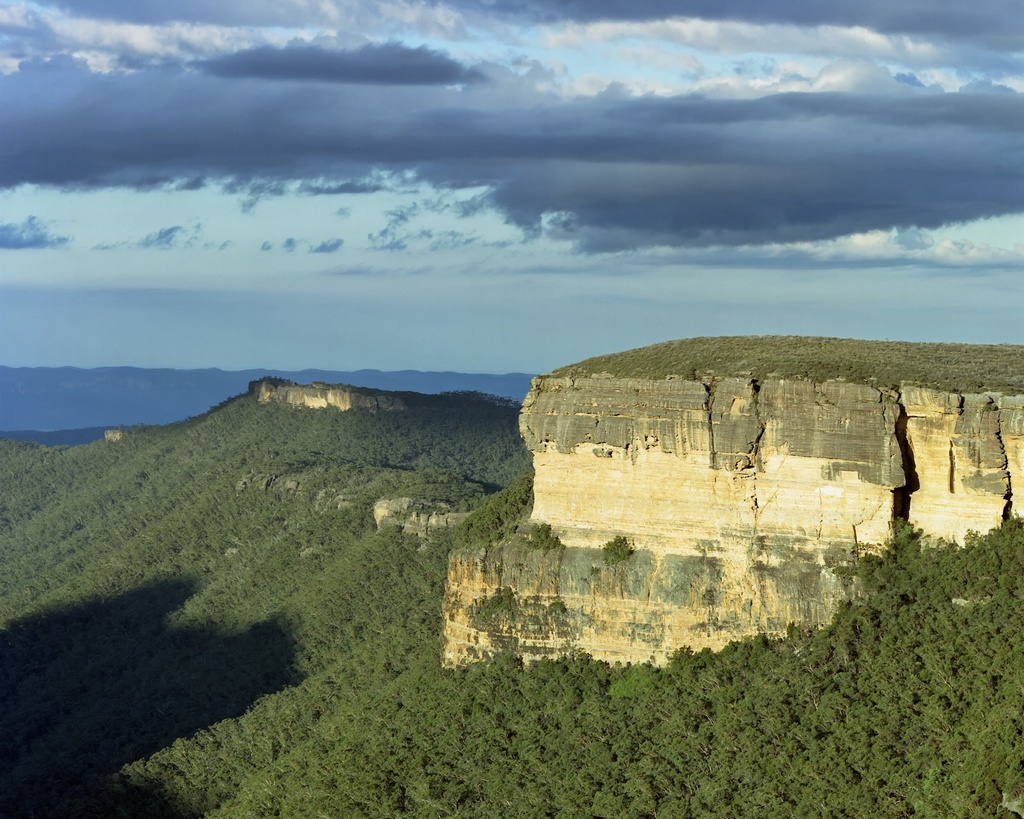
(64, 398)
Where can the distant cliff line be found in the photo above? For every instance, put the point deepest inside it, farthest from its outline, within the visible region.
(319, 396)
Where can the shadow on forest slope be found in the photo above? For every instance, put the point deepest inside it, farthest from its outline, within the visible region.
(87, 689)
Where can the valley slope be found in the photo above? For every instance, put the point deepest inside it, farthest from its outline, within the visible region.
(164, 580)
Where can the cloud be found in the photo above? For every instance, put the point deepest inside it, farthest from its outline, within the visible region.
(291, 244)
(914, 239)
(611, 172)
(359, 270)
(986, 87)
(393, 235)
(163, 239)
(450, 239)
(792, 167)
(321, 188)
(911, 248)
(168, 238)
(328, 246)
(384, 64)
(432, 18)
(995, 25)
(909, 79)
(33, 233)
(255, 191)
(858, 76)
(232, 12)
(753, 46)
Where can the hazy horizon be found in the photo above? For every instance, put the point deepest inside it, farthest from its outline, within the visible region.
(63, 398)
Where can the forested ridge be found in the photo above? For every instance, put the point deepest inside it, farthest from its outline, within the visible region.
(203, 620)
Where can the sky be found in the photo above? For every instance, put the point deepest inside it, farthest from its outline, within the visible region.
(502, 185)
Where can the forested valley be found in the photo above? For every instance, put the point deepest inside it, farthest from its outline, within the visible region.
(203, 619)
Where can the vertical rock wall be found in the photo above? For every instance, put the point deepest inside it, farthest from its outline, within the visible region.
(724, 465)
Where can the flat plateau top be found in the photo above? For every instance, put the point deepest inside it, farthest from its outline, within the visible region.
(962, 368)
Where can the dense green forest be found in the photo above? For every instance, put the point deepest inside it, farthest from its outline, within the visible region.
(203, 620)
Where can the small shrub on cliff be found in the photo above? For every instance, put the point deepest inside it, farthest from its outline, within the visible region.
(504, 600)
(541, 537)
(617, 550)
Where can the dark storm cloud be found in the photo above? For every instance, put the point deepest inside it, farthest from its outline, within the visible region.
(385, 64)
(30, 234)
(608, 172)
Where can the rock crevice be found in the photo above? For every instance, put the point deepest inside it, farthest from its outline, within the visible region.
(911, 483)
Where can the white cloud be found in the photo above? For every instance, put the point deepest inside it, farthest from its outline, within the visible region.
(734, 38)
(911, 246)
(99, 39)
(437, 21)
(589, 85)
(857, 76)
(933, 62)
(18, 15)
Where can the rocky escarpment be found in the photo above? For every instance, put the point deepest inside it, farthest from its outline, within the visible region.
(320, 396)
(744, 498)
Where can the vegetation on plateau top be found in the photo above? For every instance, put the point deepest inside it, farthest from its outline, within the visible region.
(963, 368)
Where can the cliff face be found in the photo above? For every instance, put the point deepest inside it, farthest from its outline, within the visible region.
(742, 496)
(319, 396)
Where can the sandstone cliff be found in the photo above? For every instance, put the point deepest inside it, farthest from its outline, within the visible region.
(745, 496)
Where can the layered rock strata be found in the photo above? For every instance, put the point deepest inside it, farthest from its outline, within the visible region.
(744, 499)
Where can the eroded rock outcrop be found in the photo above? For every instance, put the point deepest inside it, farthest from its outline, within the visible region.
(743, 497)
(416, 517)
